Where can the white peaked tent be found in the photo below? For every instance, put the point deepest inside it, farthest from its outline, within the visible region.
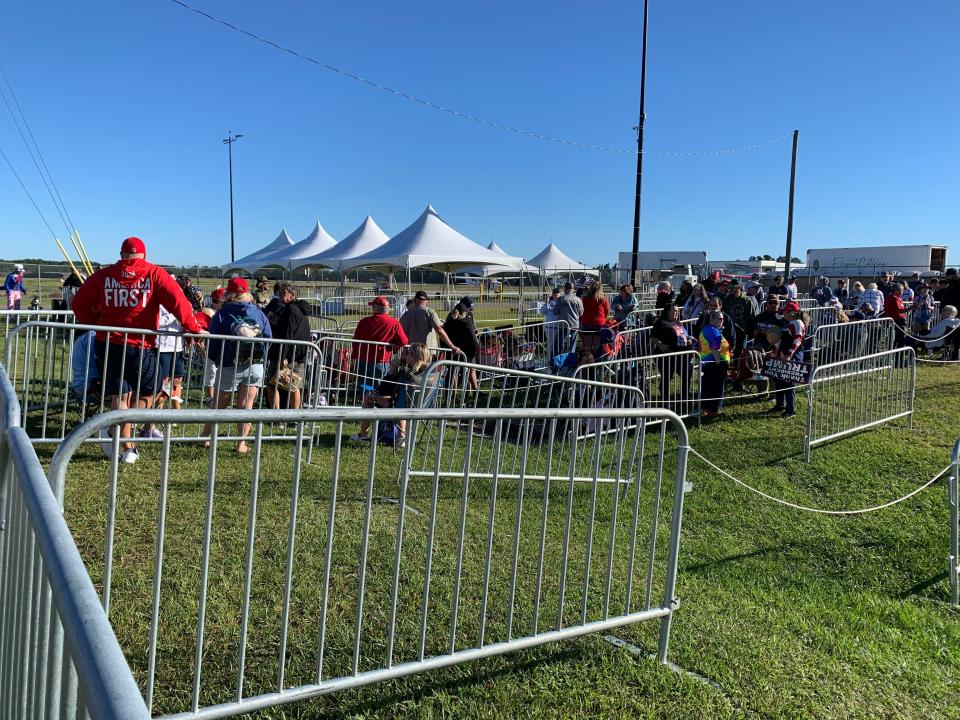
(501, 268)
(365, 238)
(553, 261)
(316, 242)
(429, 243)
(253, 261)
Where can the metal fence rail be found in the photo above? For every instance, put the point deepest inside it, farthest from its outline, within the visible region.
(826, 315)
(852, 395)
(364, 571)
(667, 380)
(844, 341)
(953, 493)
(450, 385)
(56, 375)
(58, 654)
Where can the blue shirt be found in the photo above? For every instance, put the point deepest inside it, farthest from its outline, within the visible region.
(226, 322)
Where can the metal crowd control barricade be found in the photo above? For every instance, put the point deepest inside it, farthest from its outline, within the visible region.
(953, 483)
(448, 384)
(58, 655)
(667, 380)
(528, 347)
(825, 315)
(848, 396)
(340, 589)
(348, 368)
(351, 304)
(844, 341)
(12, 318)
(54, 370)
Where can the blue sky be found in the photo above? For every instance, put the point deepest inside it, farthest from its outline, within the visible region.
(129, 102)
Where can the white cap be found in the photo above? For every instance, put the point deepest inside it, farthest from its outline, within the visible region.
(18, 266)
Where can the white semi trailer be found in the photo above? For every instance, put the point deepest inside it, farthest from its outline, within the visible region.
(871, 261)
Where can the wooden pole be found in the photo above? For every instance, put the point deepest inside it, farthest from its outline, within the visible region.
(60, 245)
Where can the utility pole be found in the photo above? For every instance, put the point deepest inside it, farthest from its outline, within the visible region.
(229, 141)
(793, 178)
(636, 204)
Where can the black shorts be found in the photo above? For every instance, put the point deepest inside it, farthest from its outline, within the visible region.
(125, 368)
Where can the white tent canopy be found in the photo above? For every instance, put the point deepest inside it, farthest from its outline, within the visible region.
(430, 243)
(316, 242)
(553, 261)
(253, 261)
(365, 238)
(500, 269)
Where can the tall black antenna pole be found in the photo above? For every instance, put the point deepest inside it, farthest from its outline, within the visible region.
(636, 204)
(229, 141)
(793, 178)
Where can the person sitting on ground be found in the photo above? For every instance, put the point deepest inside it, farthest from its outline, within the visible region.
(287, 363)
(371, 357)
(128, 294)
(397, 387)
(624, 304)
(665, 295)
(422, 325)
(240, 364)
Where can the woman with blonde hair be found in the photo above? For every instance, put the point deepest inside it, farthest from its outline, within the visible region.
(397, 388)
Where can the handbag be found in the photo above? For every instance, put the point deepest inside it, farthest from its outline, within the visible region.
(286, 377)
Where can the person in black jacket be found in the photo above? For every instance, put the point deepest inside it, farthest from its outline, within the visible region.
(287, 363)
(462, 335)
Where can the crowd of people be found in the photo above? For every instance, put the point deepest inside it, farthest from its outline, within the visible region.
(734, 327)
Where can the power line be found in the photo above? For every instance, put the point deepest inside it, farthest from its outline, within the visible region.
(458, 113)
(35, 206)
(69, 227)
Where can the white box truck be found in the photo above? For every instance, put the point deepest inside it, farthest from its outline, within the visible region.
(871, 261)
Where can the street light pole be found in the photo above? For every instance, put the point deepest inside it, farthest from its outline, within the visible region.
(229, 141)
(636, 205)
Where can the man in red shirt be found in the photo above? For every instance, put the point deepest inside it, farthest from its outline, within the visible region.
(893, 308)
(128, 294)
(372, 360)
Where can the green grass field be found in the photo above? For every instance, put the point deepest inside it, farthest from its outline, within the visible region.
(790, 614)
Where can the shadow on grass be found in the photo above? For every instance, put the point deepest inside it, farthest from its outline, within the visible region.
(392, 695)
(920, 588)
(759, 552)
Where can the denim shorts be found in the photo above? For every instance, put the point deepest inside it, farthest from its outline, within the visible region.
(126, 368)
(232, 377)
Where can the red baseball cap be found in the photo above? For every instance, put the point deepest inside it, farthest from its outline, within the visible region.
(238, 285)
(379, 300)
(217, 295)
(133, 245)
(791, 307)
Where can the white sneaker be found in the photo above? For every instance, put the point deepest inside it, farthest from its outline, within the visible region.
(151, 433)
(129, 456)
(106, 447)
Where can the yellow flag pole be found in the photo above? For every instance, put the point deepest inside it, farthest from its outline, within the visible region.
(78, 244)
(60, 245)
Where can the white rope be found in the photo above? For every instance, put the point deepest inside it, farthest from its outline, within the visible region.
(821, 511)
